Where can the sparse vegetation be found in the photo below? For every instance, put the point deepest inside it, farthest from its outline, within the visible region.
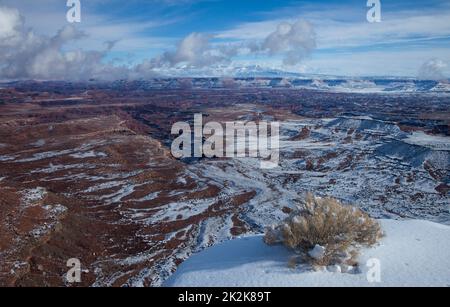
(324, 232)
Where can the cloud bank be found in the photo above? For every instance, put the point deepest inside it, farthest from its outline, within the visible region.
(294, 41)
(72, 54)
(433, 69)
(25, 54)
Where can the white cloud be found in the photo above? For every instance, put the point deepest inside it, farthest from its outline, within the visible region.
(433, 69)
(282, 43)
(194, 50)
(24, 54)
(10, 22)
(131, 33)
(294, 41)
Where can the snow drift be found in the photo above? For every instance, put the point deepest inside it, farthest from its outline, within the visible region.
(413, 253)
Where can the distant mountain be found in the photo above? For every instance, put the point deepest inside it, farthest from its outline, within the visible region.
(257, 77)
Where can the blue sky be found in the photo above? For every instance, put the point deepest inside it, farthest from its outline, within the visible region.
(410, 35)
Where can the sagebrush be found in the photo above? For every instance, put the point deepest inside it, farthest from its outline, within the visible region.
(323, 231)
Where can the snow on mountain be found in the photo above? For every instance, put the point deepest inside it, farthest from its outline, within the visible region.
(436, 142)
(412, 253)
(359, 160)
(372, 85)
(348, 85)
(366, 124)
(412, 154)
(442, 87)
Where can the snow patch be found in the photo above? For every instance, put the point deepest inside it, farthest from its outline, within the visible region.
(38, 143)
(435, 142)
(5, 158)
(318, 252)
(32, 196)
(88, 154)
(413, 253)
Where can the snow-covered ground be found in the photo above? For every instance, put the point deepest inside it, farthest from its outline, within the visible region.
(413, 253)
(432, 141)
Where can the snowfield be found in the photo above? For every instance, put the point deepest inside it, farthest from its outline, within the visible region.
(412, 253)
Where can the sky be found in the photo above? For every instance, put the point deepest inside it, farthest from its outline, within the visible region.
(143, 39)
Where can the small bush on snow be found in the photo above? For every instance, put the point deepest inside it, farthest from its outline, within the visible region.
(324, 232)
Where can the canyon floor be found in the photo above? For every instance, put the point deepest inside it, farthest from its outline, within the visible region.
(86, 172)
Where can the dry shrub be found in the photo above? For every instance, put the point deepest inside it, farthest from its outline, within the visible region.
(326, 222)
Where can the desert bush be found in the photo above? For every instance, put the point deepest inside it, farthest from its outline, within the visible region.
(324, 232)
